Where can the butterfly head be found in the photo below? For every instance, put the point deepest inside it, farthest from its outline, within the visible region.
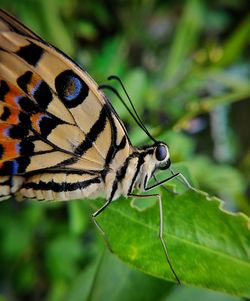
(161, 155)
(154, 157)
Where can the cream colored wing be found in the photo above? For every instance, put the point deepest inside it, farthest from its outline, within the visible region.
(53, 118)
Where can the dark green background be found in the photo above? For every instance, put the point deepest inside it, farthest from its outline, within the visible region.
(186, 67)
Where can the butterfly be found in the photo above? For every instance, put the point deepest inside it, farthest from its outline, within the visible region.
(60, 137)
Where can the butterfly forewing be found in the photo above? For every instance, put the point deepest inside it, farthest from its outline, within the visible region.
(59, 135)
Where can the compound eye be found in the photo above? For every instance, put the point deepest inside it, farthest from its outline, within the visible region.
(161, 152)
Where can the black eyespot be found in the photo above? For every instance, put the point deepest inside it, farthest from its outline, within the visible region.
(71, 89)
(161, 152)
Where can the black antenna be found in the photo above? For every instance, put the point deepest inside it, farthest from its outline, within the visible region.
(135, 116)
(115, 77)
(111, 88)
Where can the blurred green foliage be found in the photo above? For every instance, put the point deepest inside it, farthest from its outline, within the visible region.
(186, 66)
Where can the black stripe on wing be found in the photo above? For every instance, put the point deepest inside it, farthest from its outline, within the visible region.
(94, 132)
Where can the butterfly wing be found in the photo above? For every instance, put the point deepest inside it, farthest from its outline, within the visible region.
(59, 135)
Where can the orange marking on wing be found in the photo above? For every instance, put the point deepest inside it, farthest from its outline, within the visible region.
(10, 150)
(10, 97)
(3, 132)
(35, 79)
(13, 119)
(10, 100)
(14, 116)
(35, 118)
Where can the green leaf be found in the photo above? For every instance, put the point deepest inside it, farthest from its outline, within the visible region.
(208, 246)
(96, 282)
(218, 178)
(191, 293)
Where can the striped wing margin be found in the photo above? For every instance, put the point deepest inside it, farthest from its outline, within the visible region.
(59, 135)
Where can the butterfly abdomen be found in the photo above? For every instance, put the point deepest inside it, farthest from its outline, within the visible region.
(62, 186)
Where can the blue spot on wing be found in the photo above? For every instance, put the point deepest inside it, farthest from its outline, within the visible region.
(74, 91)
(35, 88)
(17, 99)
(18, 148)
(14, 167)
(6, 132)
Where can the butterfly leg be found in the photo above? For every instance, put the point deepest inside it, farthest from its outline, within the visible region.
(161, 228)
(94, 215)
(184, 181)
(164, 187)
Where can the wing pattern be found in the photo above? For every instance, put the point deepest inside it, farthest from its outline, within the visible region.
(59, 135)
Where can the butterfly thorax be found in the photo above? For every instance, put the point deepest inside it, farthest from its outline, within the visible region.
(137, 170)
